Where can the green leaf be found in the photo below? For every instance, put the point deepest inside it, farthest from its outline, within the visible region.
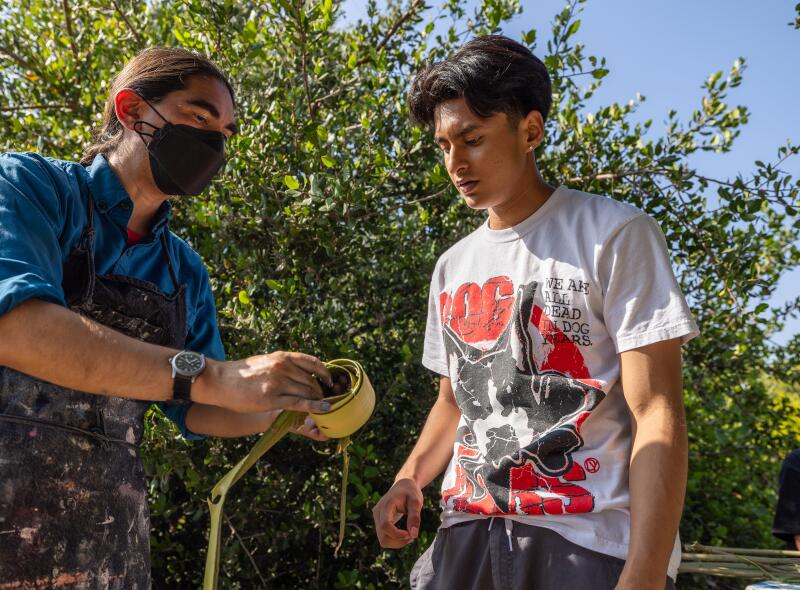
(291, 182)
(599, 73)
(179, 35)
(244, 298)
(529, 37)
(328, 161)
(574, 28)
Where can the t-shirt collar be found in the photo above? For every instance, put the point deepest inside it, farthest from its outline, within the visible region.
(526, 225)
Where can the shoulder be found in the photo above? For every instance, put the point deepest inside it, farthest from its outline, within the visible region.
(792, 460)
(602, 213)
(49, 185)
(457, 250)
(29, 166)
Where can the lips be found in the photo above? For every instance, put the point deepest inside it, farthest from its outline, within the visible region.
(467, 186)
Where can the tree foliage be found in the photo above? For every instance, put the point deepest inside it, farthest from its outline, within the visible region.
(323, 230)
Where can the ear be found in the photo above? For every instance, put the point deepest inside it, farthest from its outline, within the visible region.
(532, 126)
(129, 107)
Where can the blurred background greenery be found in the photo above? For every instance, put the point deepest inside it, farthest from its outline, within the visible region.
(323, 230)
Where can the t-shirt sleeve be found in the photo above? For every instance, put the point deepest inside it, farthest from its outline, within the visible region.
(31, 220)
(642, 302)
(434, 355)
(203, 336)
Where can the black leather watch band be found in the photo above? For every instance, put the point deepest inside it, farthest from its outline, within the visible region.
(182, 388)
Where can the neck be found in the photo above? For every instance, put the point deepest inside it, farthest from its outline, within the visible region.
(531, 193)
(133, 171)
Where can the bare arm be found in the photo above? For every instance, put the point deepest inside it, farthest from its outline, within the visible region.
(427, 460)
(652, 383)
(55, 344)
(215, 421)
(434, 447)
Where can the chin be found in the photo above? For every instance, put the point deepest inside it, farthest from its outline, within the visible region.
(475, 202)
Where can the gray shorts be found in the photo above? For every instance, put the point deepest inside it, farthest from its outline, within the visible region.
(473, 556)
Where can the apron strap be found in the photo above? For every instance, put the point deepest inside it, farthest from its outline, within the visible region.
(87, 236)
(168, 259)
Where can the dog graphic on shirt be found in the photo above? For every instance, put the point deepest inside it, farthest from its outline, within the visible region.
(522, 425)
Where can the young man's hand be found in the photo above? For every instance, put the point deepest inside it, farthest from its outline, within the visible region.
(404, 497)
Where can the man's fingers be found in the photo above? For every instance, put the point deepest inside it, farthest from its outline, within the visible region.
(293, 388)
(391, 536)
(414, 507)
(303, 404)
(311, 364)
(306, 379)
(311, 430)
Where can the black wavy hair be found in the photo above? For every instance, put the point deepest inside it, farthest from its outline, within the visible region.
(492, 72)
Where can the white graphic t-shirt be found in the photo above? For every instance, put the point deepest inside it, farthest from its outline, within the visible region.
(527, 322)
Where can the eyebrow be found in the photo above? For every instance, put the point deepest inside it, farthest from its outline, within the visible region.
(469, 128)
(204, 104)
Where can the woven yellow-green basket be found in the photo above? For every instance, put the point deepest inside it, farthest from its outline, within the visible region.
(349, 412)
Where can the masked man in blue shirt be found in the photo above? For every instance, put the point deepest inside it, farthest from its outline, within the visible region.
(104, 311)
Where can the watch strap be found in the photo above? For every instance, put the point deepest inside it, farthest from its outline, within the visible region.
(182, 388)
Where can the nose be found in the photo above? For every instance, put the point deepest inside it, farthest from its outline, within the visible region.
(456, 161)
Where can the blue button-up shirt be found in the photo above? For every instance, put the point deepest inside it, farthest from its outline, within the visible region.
(43, 211)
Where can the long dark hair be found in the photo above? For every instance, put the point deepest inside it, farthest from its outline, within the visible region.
(153, 74)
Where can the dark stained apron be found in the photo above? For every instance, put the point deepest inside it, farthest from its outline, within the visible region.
(73, 509)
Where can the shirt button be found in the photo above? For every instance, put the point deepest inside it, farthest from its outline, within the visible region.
(125, 205)
(102, 204)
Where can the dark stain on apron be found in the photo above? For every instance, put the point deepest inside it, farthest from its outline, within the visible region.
(73, 507)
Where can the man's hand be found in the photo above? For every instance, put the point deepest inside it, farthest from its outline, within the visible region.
(404, 497)
(427, 460)
(309, 429)
(275, 381)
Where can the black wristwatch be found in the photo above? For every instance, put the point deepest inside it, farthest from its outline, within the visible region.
(186, 367)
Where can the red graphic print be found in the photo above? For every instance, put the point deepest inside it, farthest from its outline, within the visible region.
(592, 465)
(488, 333)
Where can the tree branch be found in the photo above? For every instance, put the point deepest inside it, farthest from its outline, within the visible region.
(40, 107)
(70, 32)
(17, 59)
(744, 185)
(415, 5)
(429, 197)
(249, 555)
(621, 174)
(128, 22)
(304, 59)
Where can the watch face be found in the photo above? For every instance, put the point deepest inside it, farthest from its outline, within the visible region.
(189, 363)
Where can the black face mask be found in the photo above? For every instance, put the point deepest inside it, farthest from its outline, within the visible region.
(183, 159)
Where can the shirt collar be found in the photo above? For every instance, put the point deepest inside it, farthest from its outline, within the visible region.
(162, 217)
(108, 192)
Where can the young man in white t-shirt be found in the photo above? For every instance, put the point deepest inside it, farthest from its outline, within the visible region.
(556, 327)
